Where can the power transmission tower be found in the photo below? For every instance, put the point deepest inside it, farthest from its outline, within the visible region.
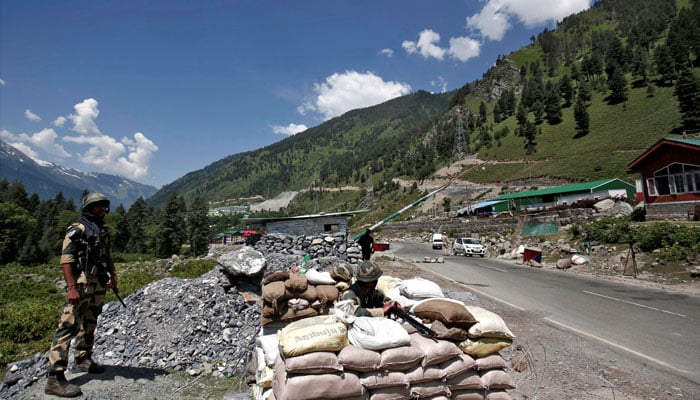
(459, 136)
(369, 194)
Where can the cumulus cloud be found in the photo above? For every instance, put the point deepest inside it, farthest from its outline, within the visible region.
(493, 20)
(461, 48)
(28, 151)
(45, 139)
(2, 82)
(31, 116)
(289, 130)
(350, 90)
(426, 45)
(84, 117)
(386, 52)
(440, 84)
(59, 121)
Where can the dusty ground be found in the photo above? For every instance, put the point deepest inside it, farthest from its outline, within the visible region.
(547, 363)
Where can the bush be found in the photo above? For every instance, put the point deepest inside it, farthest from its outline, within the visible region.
(609, 230)
(193, 269)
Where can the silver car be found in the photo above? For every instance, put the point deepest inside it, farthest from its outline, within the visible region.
(468, 247)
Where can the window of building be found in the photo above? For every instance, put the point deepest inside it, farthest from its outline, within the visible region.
(331, 227)
(673, 179)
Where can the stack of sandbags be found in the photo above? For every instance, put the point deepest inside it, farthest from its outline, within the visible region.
(289, 297)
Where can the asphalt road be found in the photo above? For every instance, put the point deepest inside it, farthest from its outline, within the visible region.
(658, 327)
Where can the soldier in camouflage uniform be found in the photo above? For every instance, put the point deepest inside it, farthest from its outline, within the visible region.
(368, 301)
(88, 269)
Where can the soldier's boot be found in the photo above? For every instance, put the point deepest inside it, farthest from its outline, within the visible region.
(58, 385)
(87, 365)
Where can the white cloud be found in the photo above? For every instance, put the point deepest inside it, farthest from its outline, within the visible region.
(108, 155)
(45, 139)
(386, 52)
(59, 121)
(440, 84)
(31, 116)
(84, 117)
(426, 45)
(494, 18)
(7, 135)
(26, 150)
(350, 90)
(290, 130)
(463, 48)
(2, 82)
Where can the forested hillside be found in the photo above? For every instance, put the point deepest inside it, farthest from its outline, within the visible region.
(578, 103)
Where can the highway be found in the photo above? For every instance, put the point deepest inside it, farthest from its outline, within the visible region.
(659, 327)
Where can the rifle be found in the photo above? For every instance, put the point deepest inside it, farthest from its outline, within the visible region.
(103, 277)
(422, 329)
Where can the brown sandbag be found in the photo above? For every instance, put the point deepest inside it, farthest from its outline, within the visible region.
(274, 276)
(296, 283)
(467, 395)
(468, 380)
(436, 351)
(358, 359)
(318, 362)
(309, 294)
(390, 393)
(484, 346)
(452, 333)
(292, 315)
(448, 311)
(497, 379)
(327, 294)
(458, 365)
(383, 379)
(273, 292)
(494, 361)
(274, 311)
(315, 387)
(498, 395)
(420, 374)
(430, 390)
(401, 358)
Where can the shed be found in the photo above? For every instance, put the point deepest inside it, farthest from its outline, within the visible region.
(567, 194)
(312, 224)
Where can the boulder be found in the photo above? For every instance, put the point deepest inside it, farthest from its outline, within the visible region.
(245, 261)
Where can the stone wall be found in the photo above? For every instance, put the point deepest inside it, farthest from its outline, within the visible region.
(316, 246)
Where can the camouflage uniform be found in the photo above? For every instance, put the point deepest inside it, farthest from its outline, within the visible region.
(80, 321)
(368, 301)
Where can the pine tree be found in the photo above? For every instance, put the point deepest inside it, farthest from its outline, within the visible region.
(618, 87)
(688, 92)
(137, 219)
(171, 228)
(198, 226)
(582, 118)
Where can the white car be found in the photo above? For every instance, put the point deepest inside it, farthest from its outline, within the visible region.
(437, 241)
(468, 247)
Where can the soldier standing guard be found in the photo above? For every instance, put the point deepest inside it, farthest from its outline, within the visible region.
(88, 269)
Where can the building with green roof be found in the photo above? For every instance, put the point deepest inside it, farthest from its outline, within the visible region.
(564, 195)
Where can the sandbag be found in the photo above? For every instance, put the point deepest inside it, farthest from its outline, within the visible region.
(451, 333)
(270, 347)
(467, 380)
(498, 395)
(315, 387)
(309, 294)
(386, 283)
(318, 362)
(377, 333)
(273, 292)
(494, 361)
(298, 304)
(327, 294)
(497, 379)
(489, 324)
(296, 283)
(484, 346)
(391, 393)
(401, 358)
(274, 276)
(294, 315)
(358, 359)
(274, 310)
(383, 379)
(467, 395)
(420, 374)
(420, 288)
(458, 365)
(320, 333)
(316, 277)
(448, 311)
(435, 351)
(429, 390)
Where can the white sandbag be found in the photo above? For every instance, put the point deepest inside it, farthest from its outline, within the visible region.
(270, 347)
(420, 288)
(489, 324)
(386, 283)
(316, 277)
(375, 333)
(395, 295)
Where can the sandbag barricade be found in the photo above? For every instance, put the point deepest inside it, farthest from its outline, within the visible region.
(309, 359)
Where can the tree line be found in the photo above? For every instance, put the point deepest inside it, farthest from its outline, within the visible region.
(32, 229)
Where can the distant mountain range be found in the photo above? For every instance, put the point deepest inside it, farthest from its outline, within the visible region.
(48, 179)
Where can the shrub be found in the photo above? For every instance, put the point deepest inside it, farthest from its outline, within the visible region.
(193, 269)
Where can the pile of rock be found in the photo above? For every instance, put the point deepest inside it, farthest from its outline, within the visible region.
(336, 245)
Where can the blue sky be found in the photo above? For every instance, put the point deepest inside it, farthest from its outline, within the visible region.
(152, 90)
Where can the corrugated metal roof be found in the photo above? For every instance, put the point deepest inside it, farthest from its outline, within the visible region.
(477, 206)
(694, 142)
(576, 187)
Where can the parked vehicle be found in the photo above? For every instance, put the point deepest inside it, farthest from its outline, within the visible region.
(468, 247)
(437, 241)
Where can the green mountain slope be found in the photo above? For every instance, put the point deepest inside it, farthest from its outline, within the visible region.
(619, 62)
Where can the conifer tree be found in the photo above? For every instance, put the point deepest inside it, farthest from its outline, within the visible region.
(198, 226)
(687, 91)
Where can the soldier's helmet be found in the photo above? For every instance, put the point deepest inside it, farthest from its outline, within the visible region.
(342, 272)
(368, 272)
(93, 198)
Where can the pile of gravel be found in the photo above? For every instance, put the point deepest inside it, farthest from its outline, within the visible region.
(199, 326)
